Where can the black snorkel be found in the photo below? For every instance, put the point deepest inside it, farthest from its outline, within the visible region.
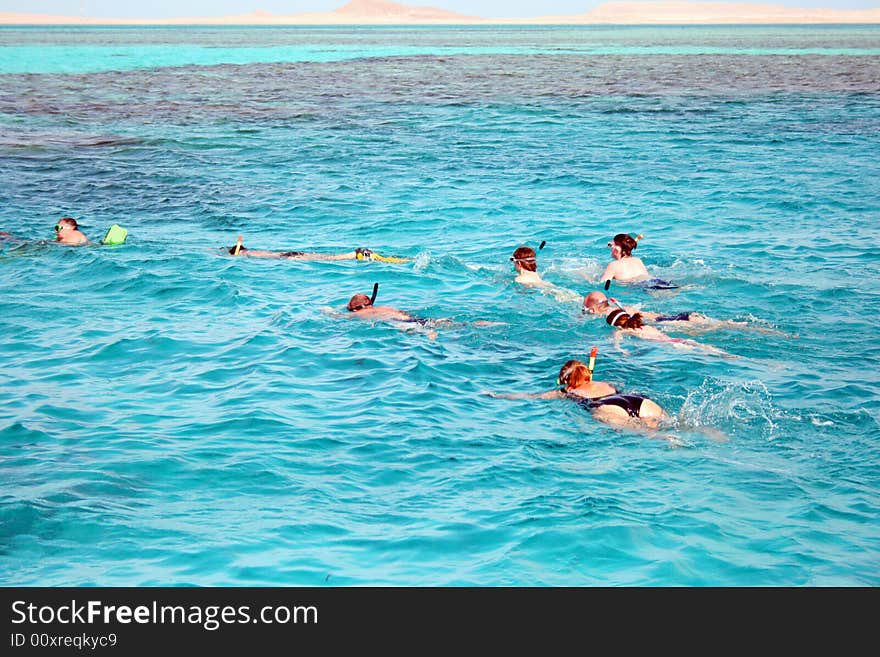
(375, 292)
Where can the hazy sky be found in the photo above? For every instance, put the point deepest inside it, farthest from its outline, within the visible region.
(485, 8)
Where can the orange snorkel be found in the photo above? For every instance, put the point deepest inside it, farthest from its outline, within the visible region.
(237, 246)
(593, 352)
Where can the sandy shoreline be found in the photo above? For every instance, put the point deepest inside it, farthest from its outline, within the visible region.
(380, 12)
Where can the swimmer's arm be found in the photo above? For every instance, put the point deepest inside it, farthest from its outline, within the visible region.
(618, 342)
(699, 345)
(327, 310)
(562, 294)
(609, 273)
(550, 394)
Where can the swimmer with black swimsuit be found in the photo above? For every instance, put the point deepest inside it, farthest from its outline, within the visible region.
(603, 400)
(357, 254)
(361, 306)
(238, 249)
(633, 325)
(596, 303)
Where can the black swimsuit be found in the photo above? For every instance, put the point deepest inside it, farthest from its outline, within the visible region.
(292, 254)
(415, 320)
(680, 317)
(630, 403)
(656, 284)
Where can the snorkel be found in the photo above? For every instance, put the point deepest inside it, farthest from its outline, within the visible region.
(368, 254)
(593, 352)
(237, 246)
(617, 303)
(375, 292)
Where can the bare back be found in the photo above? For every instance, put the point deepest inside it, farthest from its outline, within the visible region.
(629, 268)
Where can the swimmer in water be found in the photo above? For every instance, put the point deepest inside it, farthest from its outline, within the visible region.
(358, 254)
(633, 325)
(596, 303)
(67, 232)
(626, 268)
(603, 400)
(525, 262)
(362, 307)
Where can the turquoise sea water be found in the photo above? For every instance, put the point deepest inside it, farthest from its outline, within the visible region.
(172, 416)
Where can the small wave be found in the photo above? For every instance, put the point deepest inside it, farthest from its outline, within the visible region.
(738, 409)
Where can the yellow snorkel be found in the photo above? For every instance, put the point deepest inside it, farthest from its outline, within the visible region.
(395, 259)
(593, 352)
(237, 246)
(367, 254)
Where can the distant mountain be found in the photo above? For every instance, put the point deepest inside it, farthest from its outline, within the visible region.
(377, 12)
(386, 9)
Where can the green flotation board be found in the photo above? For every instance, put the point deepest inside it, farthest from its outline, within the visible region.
(116, 234)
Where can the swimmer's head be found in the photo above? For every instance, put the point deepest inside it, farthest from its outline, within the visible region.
(626, 244)
(524, 258)
(621, 319)
(594, 302)
(66, 223)
(241, 250)
(574, 374)
(359, 302)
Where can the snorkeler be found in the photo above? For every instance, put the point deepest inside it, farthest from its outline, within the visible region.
(602, 399)
(626, 268)
(633, 325)
(525, 262)
(362, 306)
(596, 303)
(67, 232)
(358, 254)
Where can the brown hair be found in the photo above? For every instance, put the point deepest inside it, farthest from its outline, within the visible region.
(626, 243)
(359, 301)
(525, 256)
(623, 320)
(574, 374)
(69, 221)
